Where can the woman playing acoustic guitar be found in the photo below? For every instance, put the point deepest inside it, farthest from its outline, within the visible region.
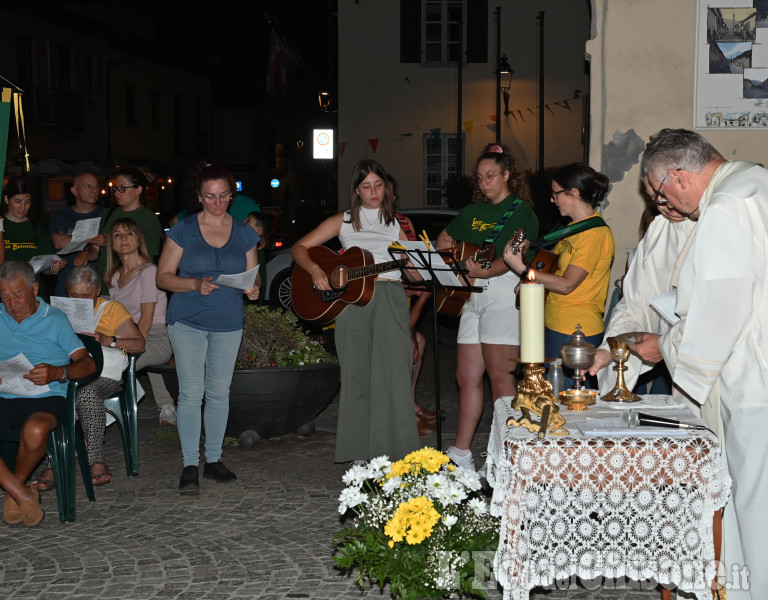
(579, 286)
(489, 330)
(373, 341)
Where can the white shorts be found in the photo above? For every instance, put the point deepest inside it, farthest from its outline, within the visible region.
(490, 316)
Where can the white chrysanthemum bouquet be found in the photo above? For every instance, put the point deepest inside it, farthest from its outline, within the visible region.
(419, 525)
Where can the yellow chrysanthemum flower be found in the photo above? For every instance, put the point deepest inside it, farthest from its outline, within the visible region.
(413, 520)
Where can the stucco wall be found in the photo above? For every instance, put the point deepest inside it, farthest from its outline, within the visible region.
(643, 80)
(381, 98)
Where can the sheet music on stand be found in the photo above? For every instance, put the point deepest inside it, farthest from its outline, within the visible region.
(436, 267)
(438, 270)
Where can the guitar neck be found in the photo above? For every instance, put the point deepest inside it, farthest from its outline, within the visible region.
(370, 270)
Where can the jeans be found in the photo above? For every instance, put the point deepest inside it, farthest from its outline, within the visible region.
(554, 340)
(205, 361)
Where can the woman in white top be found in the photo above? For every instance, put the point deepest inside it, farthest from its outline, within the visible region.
(376, 414)
(131, 279)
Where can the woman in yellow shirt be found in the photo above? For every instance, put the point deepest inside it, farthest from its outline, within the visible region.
(579, 287)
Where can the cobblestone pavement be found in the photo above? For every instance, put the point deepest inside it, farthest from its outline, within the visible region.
(267, 535)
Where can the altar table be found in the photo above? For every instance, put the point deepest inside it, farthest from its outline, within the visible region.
(636, 506)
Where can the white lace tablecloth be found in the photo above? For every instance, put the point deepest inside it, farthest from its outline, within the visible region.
(636, 506)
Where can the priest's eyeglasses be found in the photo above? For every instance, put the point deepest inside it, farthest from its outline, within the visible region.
(658, 198)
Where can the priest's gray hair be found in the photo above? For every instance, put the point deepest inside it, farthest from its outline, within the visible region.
(677, 149)
(14, 269)
(85, 274)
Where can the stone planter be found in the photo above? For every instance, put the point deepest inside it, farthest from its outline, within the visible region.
(273, 401)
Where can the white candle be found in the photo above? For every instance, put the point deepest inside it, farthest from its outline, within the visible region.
(531, 322)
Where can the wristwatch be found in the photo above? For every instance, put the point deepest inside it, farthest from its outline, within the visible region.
(114, 342)
(65, 375)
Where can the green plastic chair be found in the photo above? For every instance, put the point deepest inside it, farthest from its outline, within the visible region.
(123, 407)
(64, 443)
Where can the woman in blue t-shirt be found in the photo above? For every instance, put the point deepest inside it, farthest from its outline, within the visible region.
(205, 321)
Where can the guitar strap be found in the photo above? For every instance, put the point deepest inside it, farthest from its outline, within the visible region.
(502, 222)
(405, 227)
(552, 238)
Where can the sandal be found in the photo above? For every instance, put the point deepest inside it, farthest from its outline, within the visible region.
(44, 483)
(100, 478)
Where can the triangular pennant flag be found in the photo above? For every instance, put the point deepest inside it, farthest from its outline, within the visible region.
(512, 112)
(342, 146)
(568, 106)
(519, 112)
(468, 126)
(436, 133)
(530, 110)
(549, 109)
(493, 118)
(374, 142)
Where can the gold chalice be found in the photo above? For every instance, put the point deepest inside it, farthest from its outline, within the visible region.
(620, 354)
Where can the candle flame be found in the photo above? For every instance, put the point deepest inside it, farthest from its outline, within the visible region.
(532, 276)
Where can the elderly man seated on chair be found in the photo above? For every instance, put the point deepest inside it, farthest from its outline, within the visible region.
(44, 336)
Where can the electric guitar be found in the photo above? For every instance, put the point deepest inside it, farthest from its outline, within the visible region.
(450, 302)
(351, 275)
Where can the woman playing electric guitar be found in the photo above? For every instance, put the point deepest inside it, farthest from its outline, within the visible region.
(579, 287)
(489, 329)
(376, 413)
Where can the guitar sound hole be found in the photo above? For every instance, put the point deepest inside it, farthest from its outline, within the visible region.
(539, 265)
(338, 278)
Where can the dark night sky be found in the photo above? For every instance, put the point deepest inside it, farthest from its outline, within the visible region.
(230, 40)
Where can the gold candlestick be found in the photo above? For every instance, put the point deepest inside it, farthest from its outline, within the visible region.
(535, 397)
(620, 354)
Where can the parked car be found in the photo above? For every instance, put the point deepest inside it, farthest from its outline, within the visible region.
(280, 263)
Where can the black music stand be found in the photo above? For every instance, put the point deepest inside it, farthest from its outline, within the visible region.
(422, 259)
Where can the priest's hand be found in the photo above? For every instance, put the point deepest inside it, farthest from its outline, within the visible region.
(647, 348)
(602, 360)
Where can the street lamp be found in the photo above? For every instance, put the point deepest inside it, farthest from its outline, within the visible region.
(502, 68)
(505, 70)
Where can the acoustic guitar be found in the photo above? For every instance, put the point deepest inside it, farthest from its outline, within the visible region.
(351, 275)
(544, 261)
(450, 302)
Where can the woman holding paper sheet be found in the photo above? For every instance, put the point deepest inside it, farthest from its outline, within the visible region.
(205, 320)
(22, 237)
(114, 330)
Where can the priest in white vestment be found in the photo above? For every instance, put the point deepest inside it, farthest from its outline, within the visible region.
(718, 350)
(648, 276)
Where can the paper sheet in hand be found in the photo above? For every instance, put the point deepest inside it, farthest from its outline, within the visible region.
(664, 305)
(12, 372)
(79, 311)
(84, 231)
(43, 262)
(442, 272)
(240, 281)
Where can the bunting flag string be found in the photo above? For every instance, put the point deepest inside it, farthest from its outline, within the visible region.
(516, 113)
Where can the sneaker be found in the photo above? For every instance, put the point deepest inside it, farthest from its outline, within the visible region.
(168, 414)
(218, 472)
(464, 461)
(189, 483)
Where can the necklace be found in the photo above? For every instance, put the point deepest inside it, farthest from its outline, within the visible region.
(370, 225)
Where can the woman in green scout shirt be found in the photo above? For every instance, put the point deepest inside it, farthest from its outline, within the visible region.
(489, 330)
(24, 238)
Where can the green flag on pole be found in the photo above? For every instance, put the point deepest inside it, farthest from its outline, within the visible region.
(5, 125)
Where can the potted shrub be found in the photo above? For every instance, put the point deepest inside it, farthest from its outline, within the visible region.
(283, 376)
